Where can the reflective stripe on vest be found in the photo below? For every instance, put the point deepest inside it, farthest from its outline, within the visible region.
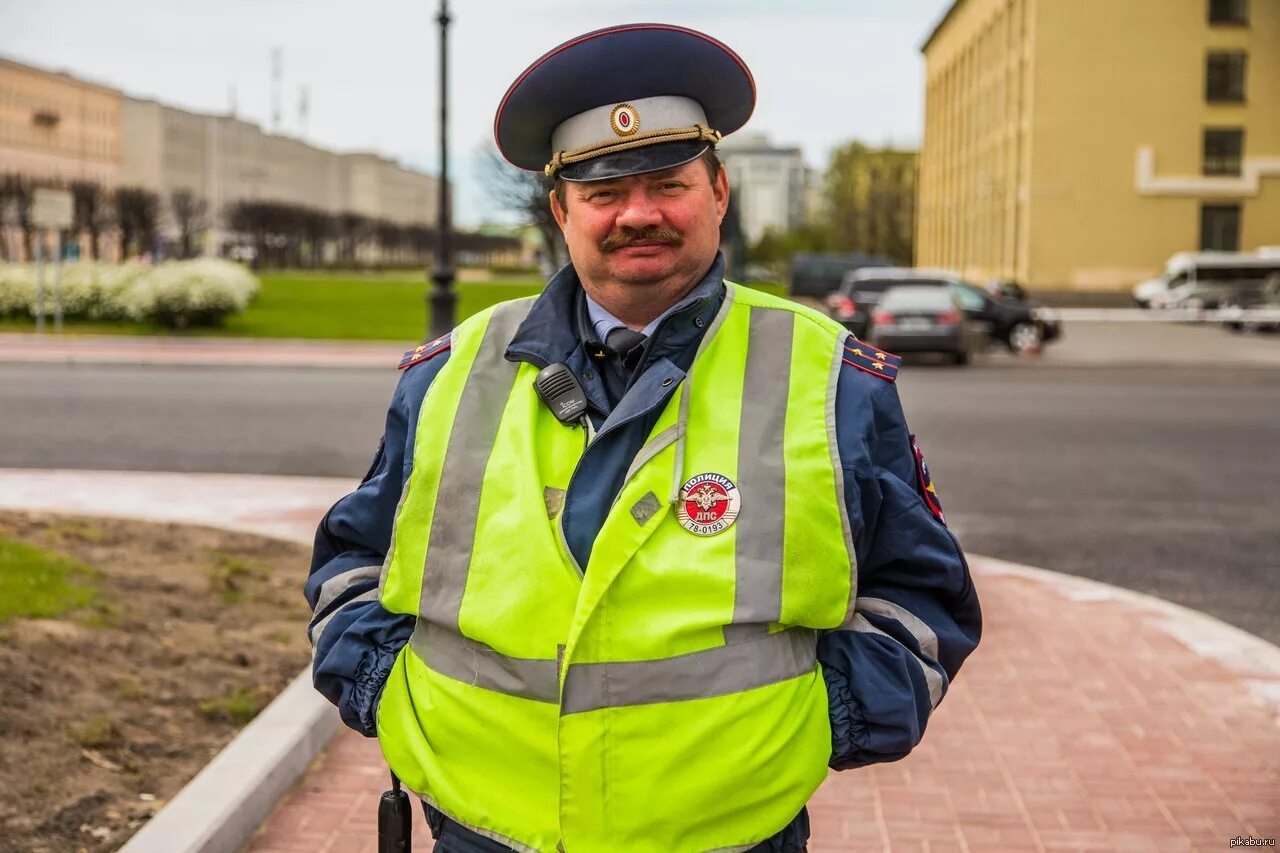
(698, 675)
(611, 710)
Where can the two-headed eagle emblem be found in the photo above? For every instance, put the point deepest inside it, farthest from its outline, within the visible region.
(707, 496)
(708, 504)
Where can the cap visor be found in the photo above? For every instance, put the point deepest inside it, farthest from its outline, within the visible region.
(637, 161)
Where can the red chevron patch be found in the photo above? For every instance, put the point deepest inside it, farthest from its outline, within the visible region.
(871, 360)
(422, 352)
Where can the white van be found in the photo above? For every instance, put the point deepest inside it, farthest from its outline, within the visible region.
(1202, 279)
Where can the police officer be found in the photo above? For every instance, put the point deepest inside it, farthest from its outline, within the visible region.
(655, 626)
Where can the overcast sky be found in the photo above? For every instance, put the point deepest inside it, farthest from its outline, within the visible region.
(826, 70)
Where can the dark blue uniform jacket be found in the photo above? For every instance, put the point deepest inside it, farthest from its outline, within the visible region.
(918, 615)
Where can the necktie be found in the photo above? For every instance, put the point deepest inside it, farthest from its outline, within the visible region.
(628, 344)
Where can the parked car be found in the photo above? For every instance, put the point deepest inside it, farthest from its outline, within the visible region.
(1239, 311)
(1200, 280)
(1208, 294)
(924, 318)
(820, 274)
(1022, 326)
(860, 290)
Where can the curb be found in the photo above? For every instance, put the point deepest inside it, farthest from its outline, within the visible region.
(220, 809)
(1255, 661)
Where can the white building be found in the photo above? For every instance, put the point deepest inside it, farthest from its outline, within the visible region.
(771, 183)
(223, 160)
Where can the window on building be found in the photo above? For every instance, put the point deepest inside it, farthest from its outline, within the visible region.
(1229, 11)
(1224, 77)
(1223, 148)
(1220, 227)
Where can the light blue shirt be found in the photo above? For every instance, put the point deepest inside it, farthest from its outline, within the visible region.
(603, 322)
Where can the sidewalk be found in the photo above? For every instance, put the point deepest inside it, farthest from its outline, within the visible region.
(1090, 718)
(213, 351)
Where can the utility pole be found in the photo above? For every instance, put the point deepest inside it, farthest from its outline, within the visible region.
(442, 301)
(304, 110)
(277, 72)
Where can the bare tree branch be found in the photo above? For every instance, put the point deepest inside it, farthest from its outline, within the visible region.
(527, 194)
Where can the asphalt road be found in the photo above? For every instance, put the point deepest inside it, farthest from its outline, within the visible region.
(1163, 480)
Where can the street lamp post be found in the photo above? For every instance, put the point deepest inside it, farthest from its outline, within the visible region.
(442, 300)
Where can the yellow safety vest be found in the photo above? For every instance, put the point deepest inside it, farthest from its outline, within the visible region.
(669, 697)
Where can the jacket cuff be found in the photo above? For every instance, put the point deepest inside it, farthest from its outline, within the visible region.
(371, 677)
(848, 723)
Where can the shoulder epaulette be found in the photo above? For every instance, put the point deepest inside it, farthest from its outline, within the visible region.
(422, 352)
(867, 358)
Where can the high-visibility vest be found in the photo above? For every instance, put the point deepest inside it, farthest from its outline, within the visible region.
(669, 697)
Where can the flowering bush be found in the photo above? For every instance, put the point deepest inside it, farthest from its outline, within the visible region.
(174, 293)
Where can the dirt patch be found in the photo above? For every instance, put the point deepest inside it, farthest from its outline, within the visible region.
(107, 711)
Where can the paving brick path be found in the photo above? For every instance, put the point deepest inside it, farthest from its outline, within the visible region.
(1080, 724)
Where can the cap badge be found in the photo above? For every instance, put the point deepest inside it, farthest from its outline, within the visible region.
(624, 120)
(708, 504)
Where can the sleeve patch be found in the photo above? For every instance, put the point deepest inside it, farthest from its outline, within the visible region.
(868, 359)
(927, 490)
(422, 352)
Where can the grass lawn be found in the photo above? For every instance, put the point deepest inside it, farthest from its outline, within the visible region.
(334, 307)
(37, 584)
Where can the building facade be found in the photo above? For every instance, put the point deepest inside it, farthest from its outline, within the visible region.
(1077, 144)
(771, 183)
(56, 128)
(223, 160)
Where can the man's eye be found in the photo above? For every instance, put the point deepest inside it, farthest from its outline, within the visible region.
(670, 185)
(602, 196)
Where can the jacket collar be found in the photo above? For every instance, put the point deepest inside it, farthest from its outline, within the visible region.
(554, 329)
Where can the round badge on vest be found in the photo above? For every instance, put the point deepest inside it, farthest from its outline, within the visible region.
(708, 504)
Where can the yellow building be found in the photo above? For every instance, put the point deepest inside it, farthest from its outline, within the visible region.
(1077, 144)
(56, 128)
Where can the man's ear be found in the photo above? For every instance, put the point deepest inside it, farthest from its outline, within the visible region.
(720, 192)
(556, 210)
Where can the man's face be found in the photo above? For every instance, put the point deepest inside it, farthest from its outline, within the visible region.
(646, 229)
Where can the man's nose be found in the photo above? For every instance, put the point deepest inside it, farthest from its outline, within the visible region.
(638, 211)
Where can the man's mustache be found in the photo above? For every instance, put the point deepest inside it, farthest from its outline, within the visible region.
(630, 237)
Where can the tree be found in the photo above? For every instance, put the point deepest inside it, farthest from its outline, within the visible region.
(870, 197)
(279, 231)
(189, 214)
(353, 229)
(527, 194)
(19, 192)
(317, 227)
(252, 219)
(92, 213)
(390, 238)
(423, 241)
(777, 247)
(137, 211)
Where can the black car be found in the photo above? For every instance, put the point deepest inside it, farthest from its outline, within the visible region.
(924, 318)
(1021, 326)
